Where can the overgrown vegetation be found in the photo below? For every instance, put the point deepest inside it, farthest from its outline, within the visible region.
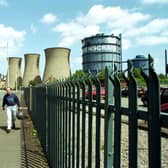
(80, 74)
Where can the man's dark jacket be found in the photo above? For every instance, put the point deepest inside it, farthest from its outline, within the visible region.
(10, 100)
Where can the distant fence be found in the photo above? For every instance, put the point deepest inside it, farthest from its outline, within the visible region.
(76, 130)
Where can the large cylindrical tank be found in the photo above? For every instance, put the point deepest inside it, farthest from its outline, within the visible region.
(31, 71)
(14, 72)
(140, 61)
(101, 51)
(57, 63)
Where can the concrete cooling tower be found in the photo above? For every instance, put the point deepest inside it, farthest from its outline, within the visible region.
(57, 63)
(14, 72)
(31, 71)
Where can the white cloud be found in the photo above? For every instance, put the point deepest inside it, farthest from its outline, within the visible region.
(113, 16)
(154, 1)
(165, 33)
(11, 38)
(3, 3)
(155, 32)
(155, 26)
(48, 18)
(99, 19)
(33, 28)
(73, 32)
(126, 44)
(137, 28)
(151, 40)
(158, 64)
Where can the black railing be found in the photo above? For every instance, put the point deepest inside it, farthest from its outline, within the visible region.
(80, 129)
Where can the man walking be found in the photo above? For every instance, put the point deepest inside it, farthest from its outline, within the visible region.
(11, 101)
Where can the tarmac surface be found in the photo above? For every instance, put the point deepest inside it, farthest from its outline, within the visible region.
(10, 149)
(20, 148)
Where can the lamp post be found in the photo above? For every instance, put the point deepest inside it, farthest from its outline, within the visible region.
(8, 62)
(8, 72)
(16, 80)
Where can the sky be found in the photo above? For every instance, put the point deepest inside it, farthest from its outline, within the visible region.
(34, 25)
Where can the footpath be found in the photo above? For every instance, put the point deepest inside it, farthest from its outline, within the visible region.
(20, 148)
(10, 150)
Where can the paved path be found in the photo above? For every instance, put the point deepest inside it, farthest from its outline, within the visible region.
(19, 149)
(10, 149)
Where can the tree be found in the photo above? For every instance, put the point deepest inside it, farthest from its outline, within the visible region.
(163, 79)
(18, 83)
(137, 73)
(101, 75)
(162, 76)
(36, 81)
(80, 74)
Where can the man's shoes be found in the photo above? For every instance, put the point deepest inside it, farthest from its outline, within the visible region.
(8, 131)
(13, 126)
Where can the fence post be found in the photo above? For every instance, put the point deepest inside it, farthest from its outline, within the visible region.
(46, 98)
(78, 126)
(154, 118)
(108, 128)
(60, 123)
(117, 119)
(98, 123)
(73, 123)
(69, 124)
(132, 105)
(66, 124)
(83, 85)
(90, 120)
(154, 142)
(30, 99)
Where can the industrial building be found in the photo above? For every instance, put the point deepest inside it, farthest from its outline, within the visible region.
(2, 81)
(31, 70)
(101, 51)
(14, 72)
(57, 63)
(140, 61)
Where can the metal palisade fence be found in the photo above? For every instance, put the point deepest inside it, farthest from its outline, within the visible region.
(78, 129)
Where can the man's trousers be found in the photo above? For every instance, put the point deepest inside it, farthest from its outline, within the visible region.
(11, 115)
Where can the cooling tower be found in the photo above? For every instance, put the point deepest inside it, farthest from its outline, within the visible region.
(57, 63)
(13, 79)
(31, 71)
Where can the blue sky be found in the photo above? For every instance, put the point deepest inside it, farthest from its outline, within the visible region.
(31, 26)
